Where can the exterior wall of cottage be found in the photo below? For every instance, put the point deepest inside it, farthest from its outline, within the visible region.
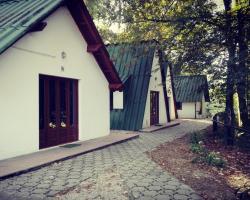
(41, 53)
(155, 84)
(204, 108)
(188, 110)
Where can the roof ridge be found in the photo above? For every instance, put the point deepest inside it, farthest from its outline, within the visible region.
(133, 42)
(198, 75)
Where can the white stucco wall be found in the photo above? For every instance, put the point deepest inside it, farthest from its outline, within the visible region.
(204, 108)
(40, 53)
(155, 84)
(170, 95)
(188, 110)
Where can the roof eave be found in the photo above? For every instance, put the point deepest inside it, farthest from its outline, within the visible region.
(30, 27)
(94, 41)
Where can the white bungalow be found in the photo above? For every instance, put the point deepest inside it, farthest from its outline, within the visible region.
(192, 96)
(55, 76)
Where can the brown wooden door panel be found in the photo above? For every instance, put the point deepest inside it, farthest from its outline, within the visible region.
(58, 110)
(154, 107)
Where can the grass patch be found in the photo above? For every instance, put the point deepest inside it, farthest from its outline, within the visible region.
(203, 155)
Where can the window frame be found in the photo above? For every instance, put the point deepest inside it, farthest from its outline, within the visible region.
(178, 105)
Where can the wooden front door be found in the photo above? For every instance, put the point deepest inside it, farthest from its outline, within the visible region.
(58, 111)
(154, 107)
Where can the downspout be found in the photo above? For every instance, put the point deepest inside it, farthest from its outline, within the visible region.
(195, 110)
(163, 79)
(173, 89)
(201, 108)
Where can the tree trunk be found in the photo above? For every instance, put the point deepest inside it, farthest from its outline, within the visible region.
(231, 47)
(230, 115)
(242, 70)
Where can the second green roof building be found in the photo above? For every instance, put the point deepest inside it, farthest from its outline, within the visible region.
(147, 98)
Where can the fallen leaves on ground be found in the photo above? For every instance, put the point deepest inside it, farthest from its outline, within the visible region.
(210, 182)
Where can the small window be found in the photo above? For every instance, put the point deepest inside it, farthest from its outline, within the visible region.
(117, 100)
(179, 105)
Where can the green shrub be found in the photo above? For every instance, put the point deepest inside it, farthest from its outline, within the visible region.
(196, 137)
(204, 156)
(197, 148)
(210, 159)
(213, 159)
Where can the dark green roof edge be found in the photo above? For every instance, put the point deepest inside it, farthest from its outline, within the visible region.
(189, 88)
(134, 59)
(14, 34)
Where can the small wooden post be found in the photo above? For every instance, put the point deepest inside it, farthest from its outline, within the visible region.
(229, 133)
(215, 123)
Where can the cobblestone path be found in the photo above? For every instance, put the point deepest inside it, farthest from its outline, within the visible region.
(121, 171)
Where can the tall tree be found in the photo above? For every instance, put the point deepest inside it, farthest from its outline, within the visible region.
(242, 10)
(231, 66)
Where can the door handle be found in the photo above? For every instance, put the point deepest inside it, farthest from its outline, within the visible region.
(63, 125)
(52, 125)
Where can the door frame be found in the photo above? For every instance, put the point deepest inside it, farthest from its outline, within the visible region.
(154, 119)
(71, 133)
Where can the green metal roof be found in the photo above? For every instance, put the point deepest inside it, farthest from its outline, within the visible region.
(18, 16)
(133, 60)
(191, 88)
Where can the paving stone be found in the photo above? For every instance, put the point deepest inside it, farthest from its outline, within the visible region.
(37, 196)
(145, 198)
(35, 180)
(163, 197)
(39, 191)
(136, 194)
(20, 181)
(143, 184)
(52, 193)
(30, 184)
(140, 177)
(159, 183)
(150, 193)
(23, 194)
(57, 187)
(154, 188)
(130, 185)
(169, 187)
(139, 189)
(26, 189)
(49, 178)
(70, 184)
(195, 197)
(174, 183)
(180, 197)
(3, 187)
(93, 194)
(184, 191)
(14, 187)
(59, 181)
(163, 179)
